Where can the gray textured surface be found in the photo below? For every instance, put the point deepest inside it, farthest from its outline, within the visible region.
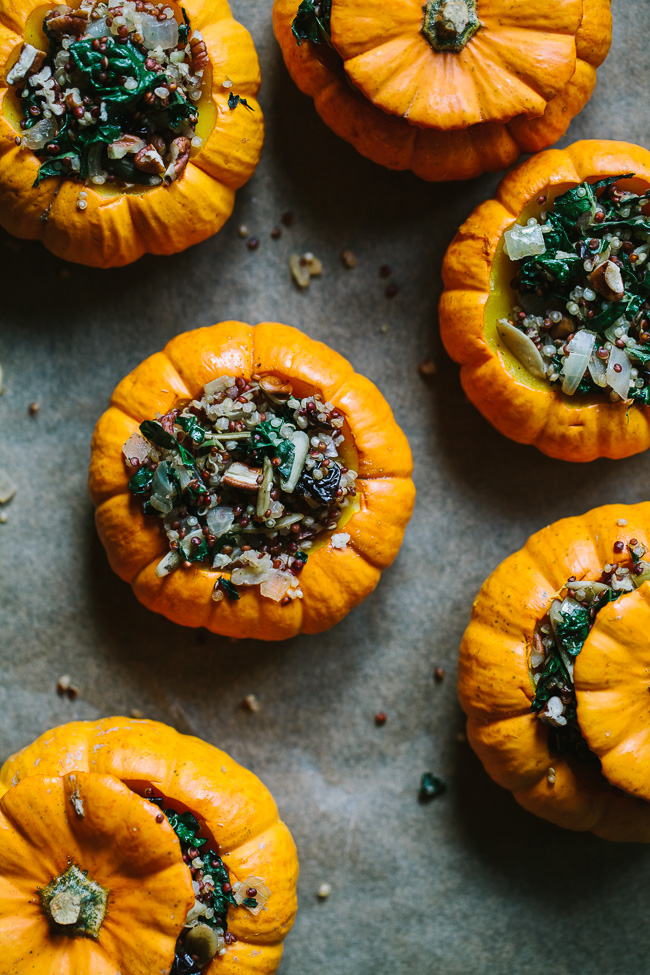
(470, 883)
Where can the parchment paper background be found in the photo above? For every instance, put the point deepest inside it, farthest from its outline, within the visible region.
(469, 884)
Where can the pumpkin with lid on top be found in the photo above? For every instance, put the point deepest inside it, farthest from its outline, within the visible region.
(249, 481)
(127, 849)
(554, 673)
(125, 128)
(448, 88)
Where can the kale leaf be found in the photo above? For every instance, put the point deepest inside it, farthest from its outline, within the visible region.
(312, 21)
(235, 100)
(573, 629)
(186, 826)
(157, 435)
(140, 483)
(229, 589)
(192, 428)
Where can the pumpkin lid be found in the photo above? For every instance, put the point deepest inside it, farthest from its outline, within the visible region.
(85, 860)
(612, 684)
(453, 63)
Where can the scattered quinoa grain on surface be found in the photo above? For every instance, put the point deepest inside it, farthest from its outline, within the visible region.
(439, 674)
(427, 368)
(250, 703)
(34, 408)
(380, 718)
(324, 891)
(63, 684)
(349, 259)
(137, 713)
(243, 230)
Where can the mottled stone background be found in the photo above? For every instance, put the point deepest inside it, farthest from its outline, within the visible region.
(469, 883)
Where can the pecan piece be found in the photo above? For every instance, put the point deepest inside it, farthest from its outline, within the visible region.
(200, 59)
(29, 60)
(149, 160)
(242, 476)
(275, 386)
(607, 280)
(179, 156)
(72, 22)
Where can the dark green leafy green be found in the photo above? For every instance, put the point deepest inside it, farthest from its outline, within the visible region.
(184, 28)
(192, 428)
(229, 589)
(431, 787)
(140, 483)
(573, 629)
(235, 100)
(312, 21)
(157, 435)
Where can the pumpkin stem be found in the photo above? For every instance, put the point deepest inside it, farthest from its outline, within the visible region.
(74, 904)
(449, 24)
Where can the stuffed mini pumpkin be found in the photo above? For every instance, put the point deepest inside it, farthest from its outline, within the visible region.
(249, 481)
(553, 673)
(127, 848)
(448, 88)
(125, 128)
(547, 302)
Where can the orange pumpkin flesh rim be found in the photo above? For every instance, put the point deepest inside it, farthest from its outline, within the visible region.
(476, 275)
(118, 227)
(334, 580)
(235, 811)
(461, 150)
(496, 689)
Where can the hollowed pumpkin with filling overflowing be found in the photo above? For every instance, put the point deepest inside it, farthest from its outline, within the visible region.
(554, 673)
(125, 125)
(249, 481)
(547, 302)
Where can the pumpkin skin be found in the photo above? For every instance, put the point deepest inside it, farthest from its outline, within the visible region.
(333, 580)
(114, 835)
(233, 807)
(525, 409)
(118, 228)
(385, 98)
(496, 690)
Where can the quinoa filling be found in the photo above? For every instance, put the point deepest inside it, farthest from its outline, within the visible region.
(246, 480)
(206, 935)
(115, 98)
(582, 288)
(560, 636)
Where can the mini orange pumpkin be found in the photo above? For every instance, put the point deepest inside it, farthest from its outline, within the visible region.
(477, 275)
(117, 226)
(340, 572)
(553, 776)
(92, 875)
(451, 88)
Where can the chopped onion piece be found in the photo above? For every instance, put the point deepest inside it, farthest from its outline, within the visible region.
(220, 520)
(619, 380)
(97, 28)
(277, 585)
(40, 134)
(157, 33)
(598, 370)
(523, 242)
(523, 348)
(136, 448)
(575, 365)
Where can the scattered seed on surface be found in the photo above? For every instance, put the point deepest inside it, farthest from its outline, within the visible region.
(63, 684)
(7, 488)
(622, 522)
(72, 692)
(137, 713)
(250, 703)
(439, 674)
(384, 329)
(4, 518)
(380, 718)
(253, 243)
(276, 233)
(288, 218)
(324, 891)
(243, 230)
(551, 776)
(34, 408)
(391, 290)
(427, 368)
(349, 259)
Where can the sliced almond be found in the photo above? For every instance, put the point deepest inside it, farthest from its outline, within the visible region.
(523, 348)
